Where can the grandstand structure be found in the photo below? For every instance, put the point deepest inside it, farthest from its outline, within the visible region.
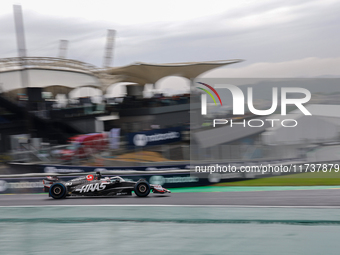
(47, 63)
(25, 110)
(38, 117)
(59, 75)
(56, 75)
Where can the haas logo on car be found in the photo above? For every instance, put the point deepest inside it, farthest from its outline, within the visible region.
(89, 177)
(91, 187)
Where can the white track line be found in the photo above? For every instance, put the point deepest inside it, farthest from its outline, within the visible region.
(137, 205)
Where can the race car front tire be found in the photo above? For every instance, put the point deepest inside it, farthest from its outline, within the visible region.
(142, 189)
(58, 191)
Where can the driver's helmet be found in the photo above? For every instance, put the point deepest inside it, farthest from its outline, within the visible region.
(98, 176)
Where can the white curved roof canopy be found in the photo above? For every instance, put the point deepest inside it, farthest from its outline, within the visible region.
(45, 72)
(144, 73)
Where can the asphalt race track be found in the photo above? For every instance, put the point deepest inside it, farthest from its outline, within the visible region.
(327, 197)
(241, 222)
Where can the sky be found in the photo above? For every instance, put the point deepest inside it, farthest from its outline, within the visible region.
(276, 38)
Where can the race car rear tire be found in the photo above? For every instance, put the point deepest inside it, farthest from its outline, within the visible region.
(142, 189)
(58, 191)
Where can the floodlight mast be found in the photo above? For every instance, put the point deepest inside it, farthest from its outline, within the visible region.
(109, 48)
(63, 45)
(21, 43)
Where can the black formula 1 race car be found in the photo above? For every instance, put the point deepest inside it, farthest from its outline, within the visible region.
(95, 185)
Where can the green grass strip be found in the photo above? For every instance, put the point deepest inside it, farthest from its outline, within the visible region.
(303, 179)
(243, 188)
